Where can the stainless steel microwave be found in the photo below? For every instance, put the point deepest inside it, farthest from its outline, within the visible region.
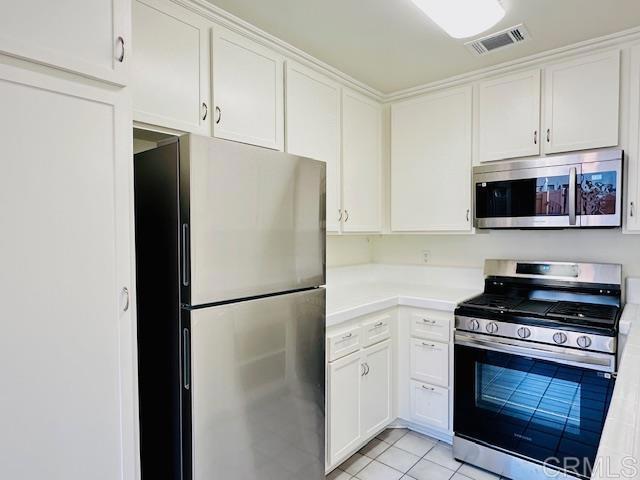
(569, 191)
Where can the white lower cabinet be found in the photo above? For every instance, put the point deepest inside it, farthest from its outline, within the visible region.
(430, 405)
(344, 394)
(375, 406)
(430, 362)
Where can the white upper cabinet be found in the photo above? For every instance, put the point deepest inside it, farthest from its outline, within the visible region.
(633, 153)
(90, 37)
(582, 103)
(171, 67)
(69, 408)
(509, 116)
(248, 93)
(313, 128)
(431, 162)
(361, 163)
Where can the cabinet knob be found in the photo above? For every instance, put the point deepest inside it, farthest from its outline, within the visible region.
(219, 113)
(120, 42)
(206, 111)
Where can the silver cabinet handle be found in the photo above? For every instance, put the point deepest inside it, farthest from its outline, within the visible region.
(426, 320)
(535, 137)
(346, 218)
(548, 135)
(340, 217)
(219, 113)
(120, 41)
(468, 213)
(572, 195)
(431, 389)
(430, 345)
(632, 209)
(367, 367)
(124, 293)
(379, 324)
(348, 335)
(206, 111)
(363, 370)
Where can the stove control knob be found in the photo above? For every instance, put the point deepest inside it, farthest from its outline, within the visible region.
(474, 324)
(492, 327)
(584, 342)
(559, 338)
(524, 332)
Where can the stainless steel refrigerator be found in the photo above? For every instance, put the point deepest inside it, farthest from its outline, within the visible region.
(230, 253)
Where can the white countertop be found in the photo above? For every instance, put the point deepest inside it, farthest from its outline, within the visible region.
(620, 441)
(364, 289)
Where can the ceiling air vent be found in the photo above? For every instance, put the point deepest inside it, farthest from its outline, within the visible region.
(498, 40)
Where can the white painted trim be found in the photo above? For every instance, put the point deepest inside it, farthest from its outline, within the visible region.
(226, 19)
(535, 60)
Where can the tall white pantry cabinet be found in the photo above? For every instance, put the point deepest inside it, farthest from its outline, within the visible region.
(67, 353)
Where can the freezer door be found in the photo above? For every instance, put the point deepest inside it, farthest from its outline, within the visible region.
(257, 388)
(255, 217)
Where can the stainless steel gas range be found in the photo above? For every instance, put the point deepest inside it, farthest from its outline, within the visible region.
(535, 362)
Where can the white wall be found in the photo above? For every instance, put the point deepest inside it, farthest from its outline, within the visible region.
(609, 246)
(348, 250)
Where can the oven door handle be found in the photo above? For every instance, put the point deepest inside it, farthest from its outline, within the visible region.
(592, 360)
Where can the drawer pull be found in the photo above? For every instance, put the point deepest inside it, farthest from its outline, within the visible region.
(430, 345)
(379, 324)
(430, 322)
(348, 335)
(431, 389)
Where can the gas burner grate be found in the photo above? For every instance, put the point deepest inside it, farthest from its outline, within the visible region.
(498, 302)
(585, 311)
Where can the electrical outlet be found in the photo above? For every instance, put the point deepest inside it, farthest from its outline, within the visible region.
(426, 256)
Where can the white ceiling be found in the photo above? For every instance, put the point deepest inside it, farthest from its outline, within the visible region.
(391, 45)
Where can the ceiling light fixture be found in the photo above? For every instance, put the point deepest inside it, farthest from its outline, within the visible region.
(463, 18)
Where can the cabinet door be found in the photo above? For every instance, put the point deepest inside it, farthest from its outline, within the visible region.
(90, 37)
(247, 91)
(68, 347)
(171, 68)
(361, 163)
(313, 128)
(430, 362)
(430, 405)
(582, 103)
(344, 406)
(376, 388)
(431, 162)
(509, 116)
(633, 154)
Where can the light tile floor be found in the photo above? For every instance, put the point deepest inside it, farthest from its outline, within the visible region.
(398, 453)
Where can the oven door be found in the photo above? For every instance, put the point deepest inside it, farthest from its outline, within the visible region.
(525, 198)
(539, 409)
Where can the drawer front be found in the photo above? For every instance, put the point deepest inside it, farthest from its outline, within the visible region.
(424, 325)
(343, 343)
(430, 405)
(430, 362)
(376, 330)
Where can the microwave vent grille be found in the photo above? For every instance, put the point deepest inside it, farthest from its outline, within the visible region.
(499, 40)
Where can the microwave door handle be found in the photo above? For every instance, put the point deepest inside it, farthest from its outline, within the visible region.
(572, 195)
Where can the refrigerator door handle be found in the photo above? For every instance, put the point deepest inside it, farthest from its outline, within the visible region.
(185, 255)
(186, 359)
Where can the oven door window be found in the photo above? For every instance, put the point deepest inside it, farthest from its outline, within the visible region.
(543, 411)
(531, 197)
